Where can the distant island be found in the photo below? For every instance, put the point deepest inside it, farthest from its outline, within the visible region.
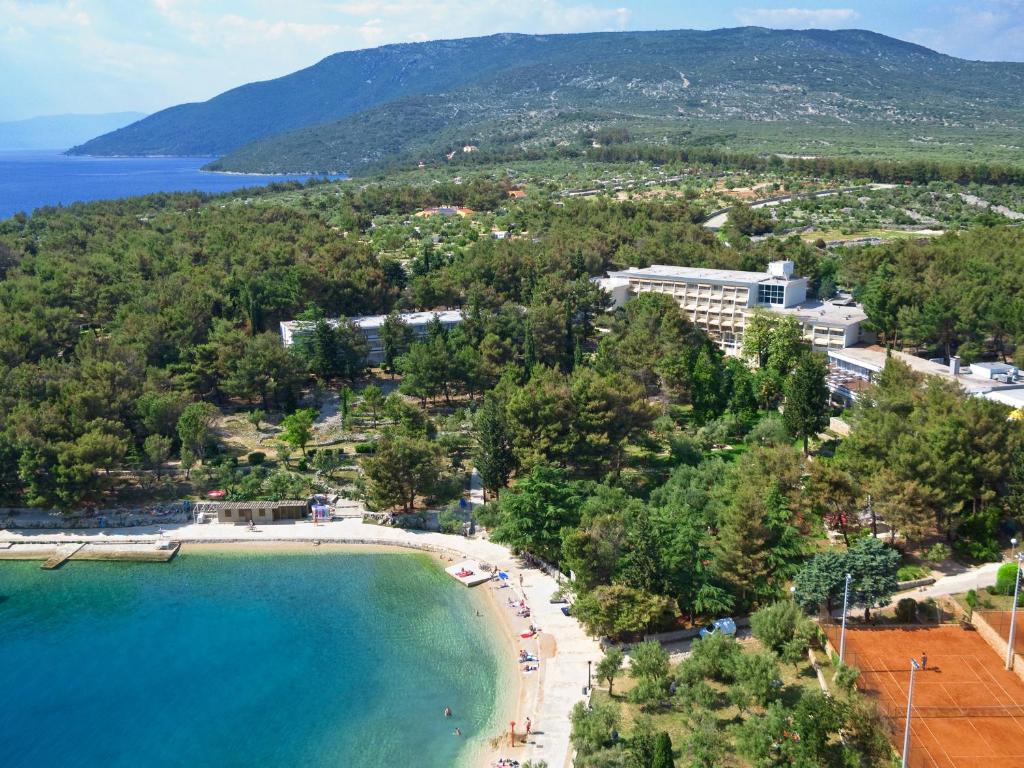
(61, 131)
(810, 92)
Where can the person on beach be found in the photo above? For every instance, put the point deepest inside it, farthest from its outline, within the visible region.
(447, 711)
(529, 727)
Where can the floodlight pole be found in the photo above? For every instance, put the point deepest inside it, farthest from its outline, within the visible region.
(842, 635)
(1013, 613)
(914, 666)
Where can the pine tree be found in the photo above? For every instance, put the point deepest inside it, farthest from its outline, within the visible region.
(806, 409)
(663, 752)
(495, 459)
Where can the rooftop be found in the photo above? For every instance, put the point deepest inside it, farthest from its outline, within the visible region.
(873, 358)
(833, 312)
(662, 272)
(373, 322)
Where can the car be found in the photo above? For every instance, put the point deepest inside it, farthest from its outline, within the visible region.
(724, 626)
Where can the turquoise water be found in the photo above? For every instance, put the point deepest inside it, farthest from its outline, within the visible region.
(232, 659)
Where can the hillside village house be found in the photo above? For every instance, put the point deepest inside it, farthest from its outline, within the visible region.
(720, 301)
(370, 325)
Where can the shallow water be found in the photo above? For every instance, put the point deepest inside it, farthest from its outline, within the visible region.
(242, 659)
(30, 179)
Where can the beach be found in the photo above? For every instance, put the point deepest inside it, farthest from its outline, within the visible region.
(545, 695)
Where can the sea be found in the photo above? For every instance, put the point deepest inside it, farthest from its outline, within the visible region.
(227, 658)
(30, 179)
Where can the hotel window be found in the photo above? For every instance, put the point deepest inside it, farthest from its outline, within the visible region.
(771, 294)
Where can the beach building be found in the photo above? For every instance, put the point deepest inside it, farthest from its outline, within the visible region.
(255, 511)
(852, 370)
(370, 325)
(721, 301)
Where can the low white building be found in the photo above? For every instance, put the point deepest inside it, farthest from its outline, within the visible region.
(852, 370)
(721, 301)
(370, 325)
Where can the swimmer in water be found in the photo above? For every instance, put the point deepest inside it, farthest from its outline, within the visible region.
(447, 711)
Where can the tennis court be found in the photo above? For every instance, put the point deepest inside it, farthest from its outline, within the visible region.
(968, 710)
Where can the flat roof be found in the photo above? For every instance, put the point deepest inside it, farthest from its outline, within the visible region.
(663, 272)
(824, 312)
(1011, 397)
(873, 358)
(367, 322)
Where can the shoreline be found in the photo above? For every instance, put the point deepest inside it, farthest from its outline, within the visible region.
(561, 645)
(480, 750)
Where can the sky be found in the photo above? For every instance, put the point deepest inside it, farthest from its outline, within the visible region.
(90, 56)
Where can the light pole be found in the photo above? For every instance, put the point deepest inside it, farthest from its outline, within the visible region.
(1013, 613)
(842, 635)
(914, 666)
(588, 675)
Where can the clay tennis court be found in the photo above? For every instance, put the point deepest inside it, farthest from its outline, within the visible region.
(1000, 622)
(968, 710)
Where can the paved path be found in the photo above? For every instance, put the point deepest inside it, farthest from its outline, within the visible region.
(953, 584)
(564, 675)
(975, 578)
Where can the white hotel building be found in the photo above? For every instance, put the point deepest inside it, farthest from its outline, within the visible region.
(720, 301)
(370, 325)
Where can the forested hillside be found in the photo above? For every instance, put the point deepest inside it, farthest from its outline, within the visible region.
(356, 109)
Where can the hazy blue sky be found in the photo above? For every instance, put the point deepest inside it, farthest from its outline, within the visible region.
(112, 55)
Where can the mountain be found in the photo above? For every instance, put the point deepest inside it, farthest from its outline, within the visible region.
(355, 110)
(61, 131)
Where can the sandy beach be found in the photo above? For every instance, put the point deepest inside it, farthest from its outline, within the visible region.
(545, 695)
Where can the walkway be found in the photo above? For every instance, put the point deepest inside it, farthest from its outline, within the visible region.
(565, 674)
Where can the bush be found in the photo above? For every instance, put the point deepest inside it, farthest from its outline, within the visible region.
(846, 677)
(911, 573)
(685, 450)
(714, 656)
(1006, 579)
(937, 553)
(906, 610)
(775, 625)
(771, 430)
(256, 458)
(366, 448)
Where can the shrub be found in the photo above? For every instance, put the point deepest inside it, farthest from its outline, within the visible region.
(906, 610)
(1006, 579)
(303, 465)
(365, 448)
(774, 625)
(256, 458)
(911, 573)
(758, 674)
(937, 553)
(771, 430)
(715, 656)
(846, 677)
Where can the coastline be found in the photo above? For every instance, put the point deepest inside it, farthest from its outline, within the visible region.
(546, 696)
(511, 694)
